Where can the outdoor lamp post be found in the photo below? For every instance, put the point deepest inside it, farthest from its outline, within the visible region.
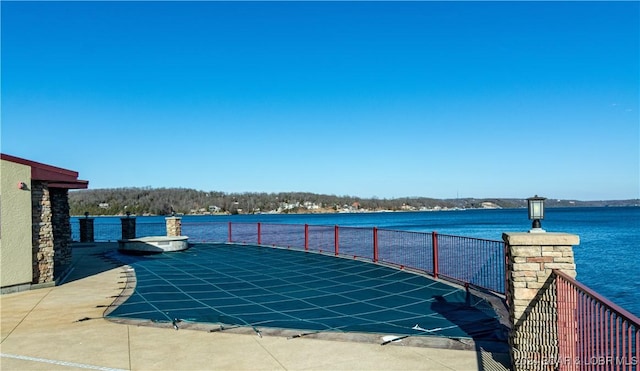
(536, 213)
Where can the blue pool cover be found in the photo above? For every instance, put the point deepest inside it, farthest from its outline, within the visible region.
(253, 286)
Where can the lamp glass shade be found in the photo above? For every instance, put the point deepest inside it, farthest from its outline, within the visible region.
(536, 207)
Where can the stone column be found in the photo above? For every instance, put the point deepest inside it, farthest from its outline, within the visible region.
(174, 226)
(531, 295)
(42, 235)
(61, 225)
(128, 227)
(86, 229)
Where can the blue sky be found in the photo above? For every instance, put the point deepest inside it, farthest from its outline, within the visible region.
(434, 99)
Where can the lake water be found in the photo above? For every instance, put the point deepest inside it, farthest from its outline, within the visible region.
(606, 259)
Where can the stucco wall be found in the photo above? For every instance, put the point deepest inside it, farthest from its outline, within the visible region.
(15, 225)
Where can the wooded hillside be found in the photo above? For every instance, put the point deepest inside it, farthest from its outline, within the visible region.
(164, 201)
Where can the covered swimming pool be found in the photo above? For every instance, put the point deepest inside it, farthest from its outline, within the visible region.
(262, 288)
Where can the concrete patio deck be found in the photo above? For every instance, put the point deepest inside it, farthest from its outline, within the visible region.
(62, 328)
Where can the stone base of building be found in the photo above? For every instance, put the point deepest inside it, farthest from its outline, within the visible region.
(25, 287)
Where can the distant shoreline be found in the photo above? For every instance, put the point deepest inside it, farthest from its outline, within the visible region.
(346, 212)
(167, 201)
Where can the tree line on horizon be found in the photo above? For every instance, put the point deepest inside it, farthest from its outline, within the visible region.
(165, 201)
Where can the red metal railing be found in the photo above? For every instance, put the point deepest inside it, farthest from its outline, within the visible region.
(466, 260)
(476, 261)
(407, 250)
(284, 235)
(112, 231)
(594, 333)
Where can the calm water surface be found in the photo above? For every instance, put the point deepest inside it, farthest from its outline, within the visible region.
(607, 257)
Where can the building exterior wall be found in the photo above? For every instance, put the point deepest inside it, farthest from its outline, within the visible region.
(35, 233)
(15, 226)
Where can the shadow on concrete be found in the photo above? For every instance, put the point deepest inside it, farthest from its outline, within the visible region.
(488, 333)
(89, 259)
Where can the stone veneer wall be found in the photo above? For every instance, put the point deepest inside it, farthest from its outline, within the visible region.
(42, 244)
(61, 230)
(532, 296)
(51, 232)
(174, 226)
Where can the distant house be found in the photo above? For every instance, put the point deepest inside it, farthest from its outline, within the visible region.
(489, 205)
(310, 205)
(35, 241)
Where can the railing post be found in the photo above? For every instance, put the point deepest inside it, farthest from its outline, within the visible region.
(259, 239)
(434, 244)
(375, 244)
(173, 225)
(128, 227)
(230, 239)
(86, 228)
(336, 240)
(506, 272)
(306, 237)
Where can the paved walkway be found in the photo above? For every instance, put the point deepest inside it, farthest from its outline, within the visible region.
(62, 328)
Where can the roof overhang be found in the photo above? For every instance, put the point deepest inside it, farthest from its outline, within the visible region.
(56, 177)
